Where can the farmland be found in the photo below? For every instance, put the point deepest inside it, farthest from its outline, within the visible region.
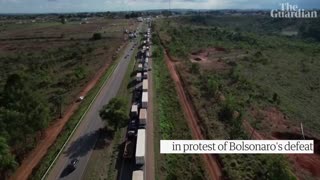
(44, 66)
(236, 75)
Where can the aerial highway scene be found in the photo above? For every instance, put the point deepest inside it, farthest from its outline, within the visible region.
(159, 90)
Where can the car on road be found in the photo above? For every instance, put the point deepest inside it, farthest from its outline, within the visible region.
(73, 164)
(80, 99)
(70, 168)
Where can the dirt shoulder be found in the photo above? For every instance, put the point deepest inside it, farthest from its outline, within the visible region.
(211, 163)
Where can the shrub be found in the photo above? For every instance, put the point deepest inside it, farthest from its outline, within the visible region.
(96, 36)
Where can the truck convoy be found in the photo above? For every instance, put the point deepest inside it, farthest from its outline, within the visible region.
(135, 144)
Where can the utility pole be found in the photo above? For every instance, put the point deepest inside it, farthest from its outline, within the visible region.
(302, 131)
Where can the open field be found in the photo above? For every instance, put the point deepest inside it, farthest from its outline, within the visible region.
(56, 61)
(263, 77)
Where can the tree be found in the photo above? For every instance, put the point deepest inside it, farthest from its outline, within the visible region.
(275, 167)
(96, 36)
(115, 113)
(23, 112)
(195, 68)
(7, 160)
(229, 107)
(213, 85)
(20, 97)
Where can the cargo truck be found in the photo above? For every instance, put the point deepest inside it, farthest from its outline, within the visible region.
(141, 147)
(145, 85)
(138, 77)
(129, 145)
(134, 110)
(144, 100)
(142, 118)
(138, 175)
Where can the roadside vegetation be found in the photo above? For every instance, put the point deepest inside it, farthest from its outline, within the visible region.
(115, 113)
(43, 68)
(231, 74)
(170, 124)
(56, 147)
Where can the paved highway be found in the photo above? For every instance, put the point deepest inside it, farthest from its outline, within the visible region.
(85, 137)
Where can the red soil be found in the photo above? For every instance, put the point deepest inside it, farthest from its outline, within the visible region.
(211, 162)
(209, 63)
(51, 133)
(281, 129)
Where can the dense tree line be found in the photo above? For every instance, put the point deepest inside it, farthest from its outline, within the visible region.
(23, 113)
(311, 30)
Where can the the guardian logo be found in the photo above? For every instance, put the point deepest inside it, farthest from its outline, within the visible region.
(292, 11)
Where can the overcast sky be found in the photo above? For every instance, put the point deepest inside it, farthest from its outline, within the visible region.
(44, 6)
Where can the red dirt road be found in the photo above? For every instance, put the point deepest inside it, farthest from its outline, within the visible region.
(51, 133)
(211, 163)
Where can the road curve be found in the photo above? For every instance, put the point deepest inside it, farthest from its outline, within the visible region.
(85, 137)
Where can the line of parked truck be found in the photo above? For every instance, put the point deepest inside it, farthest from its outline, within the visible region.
(135, 145)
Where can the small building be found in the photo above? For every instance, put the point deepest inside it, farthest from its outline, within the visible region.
(139, 19)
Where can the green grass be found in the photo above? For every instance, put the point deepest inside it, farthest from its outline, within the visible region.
(285, 66)
(273, 64)
(171, 124)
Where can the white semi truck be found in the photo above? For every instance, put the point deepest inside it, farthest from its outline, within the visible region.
(141, 147)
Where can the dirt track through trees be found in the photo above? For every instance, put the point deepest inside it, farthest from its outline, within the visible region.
(51, 133)
(211, 163)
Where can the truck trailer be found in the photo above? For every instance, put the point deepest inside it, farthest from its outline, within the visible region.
(138, 175)
(144, 101)
(140, 67)
(134, 110)
(142, 118)
(141, 147)
(129, 146)
(145, 85)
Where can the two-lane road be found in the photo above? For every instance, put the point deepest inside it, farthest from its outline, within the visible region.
(85, 137)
